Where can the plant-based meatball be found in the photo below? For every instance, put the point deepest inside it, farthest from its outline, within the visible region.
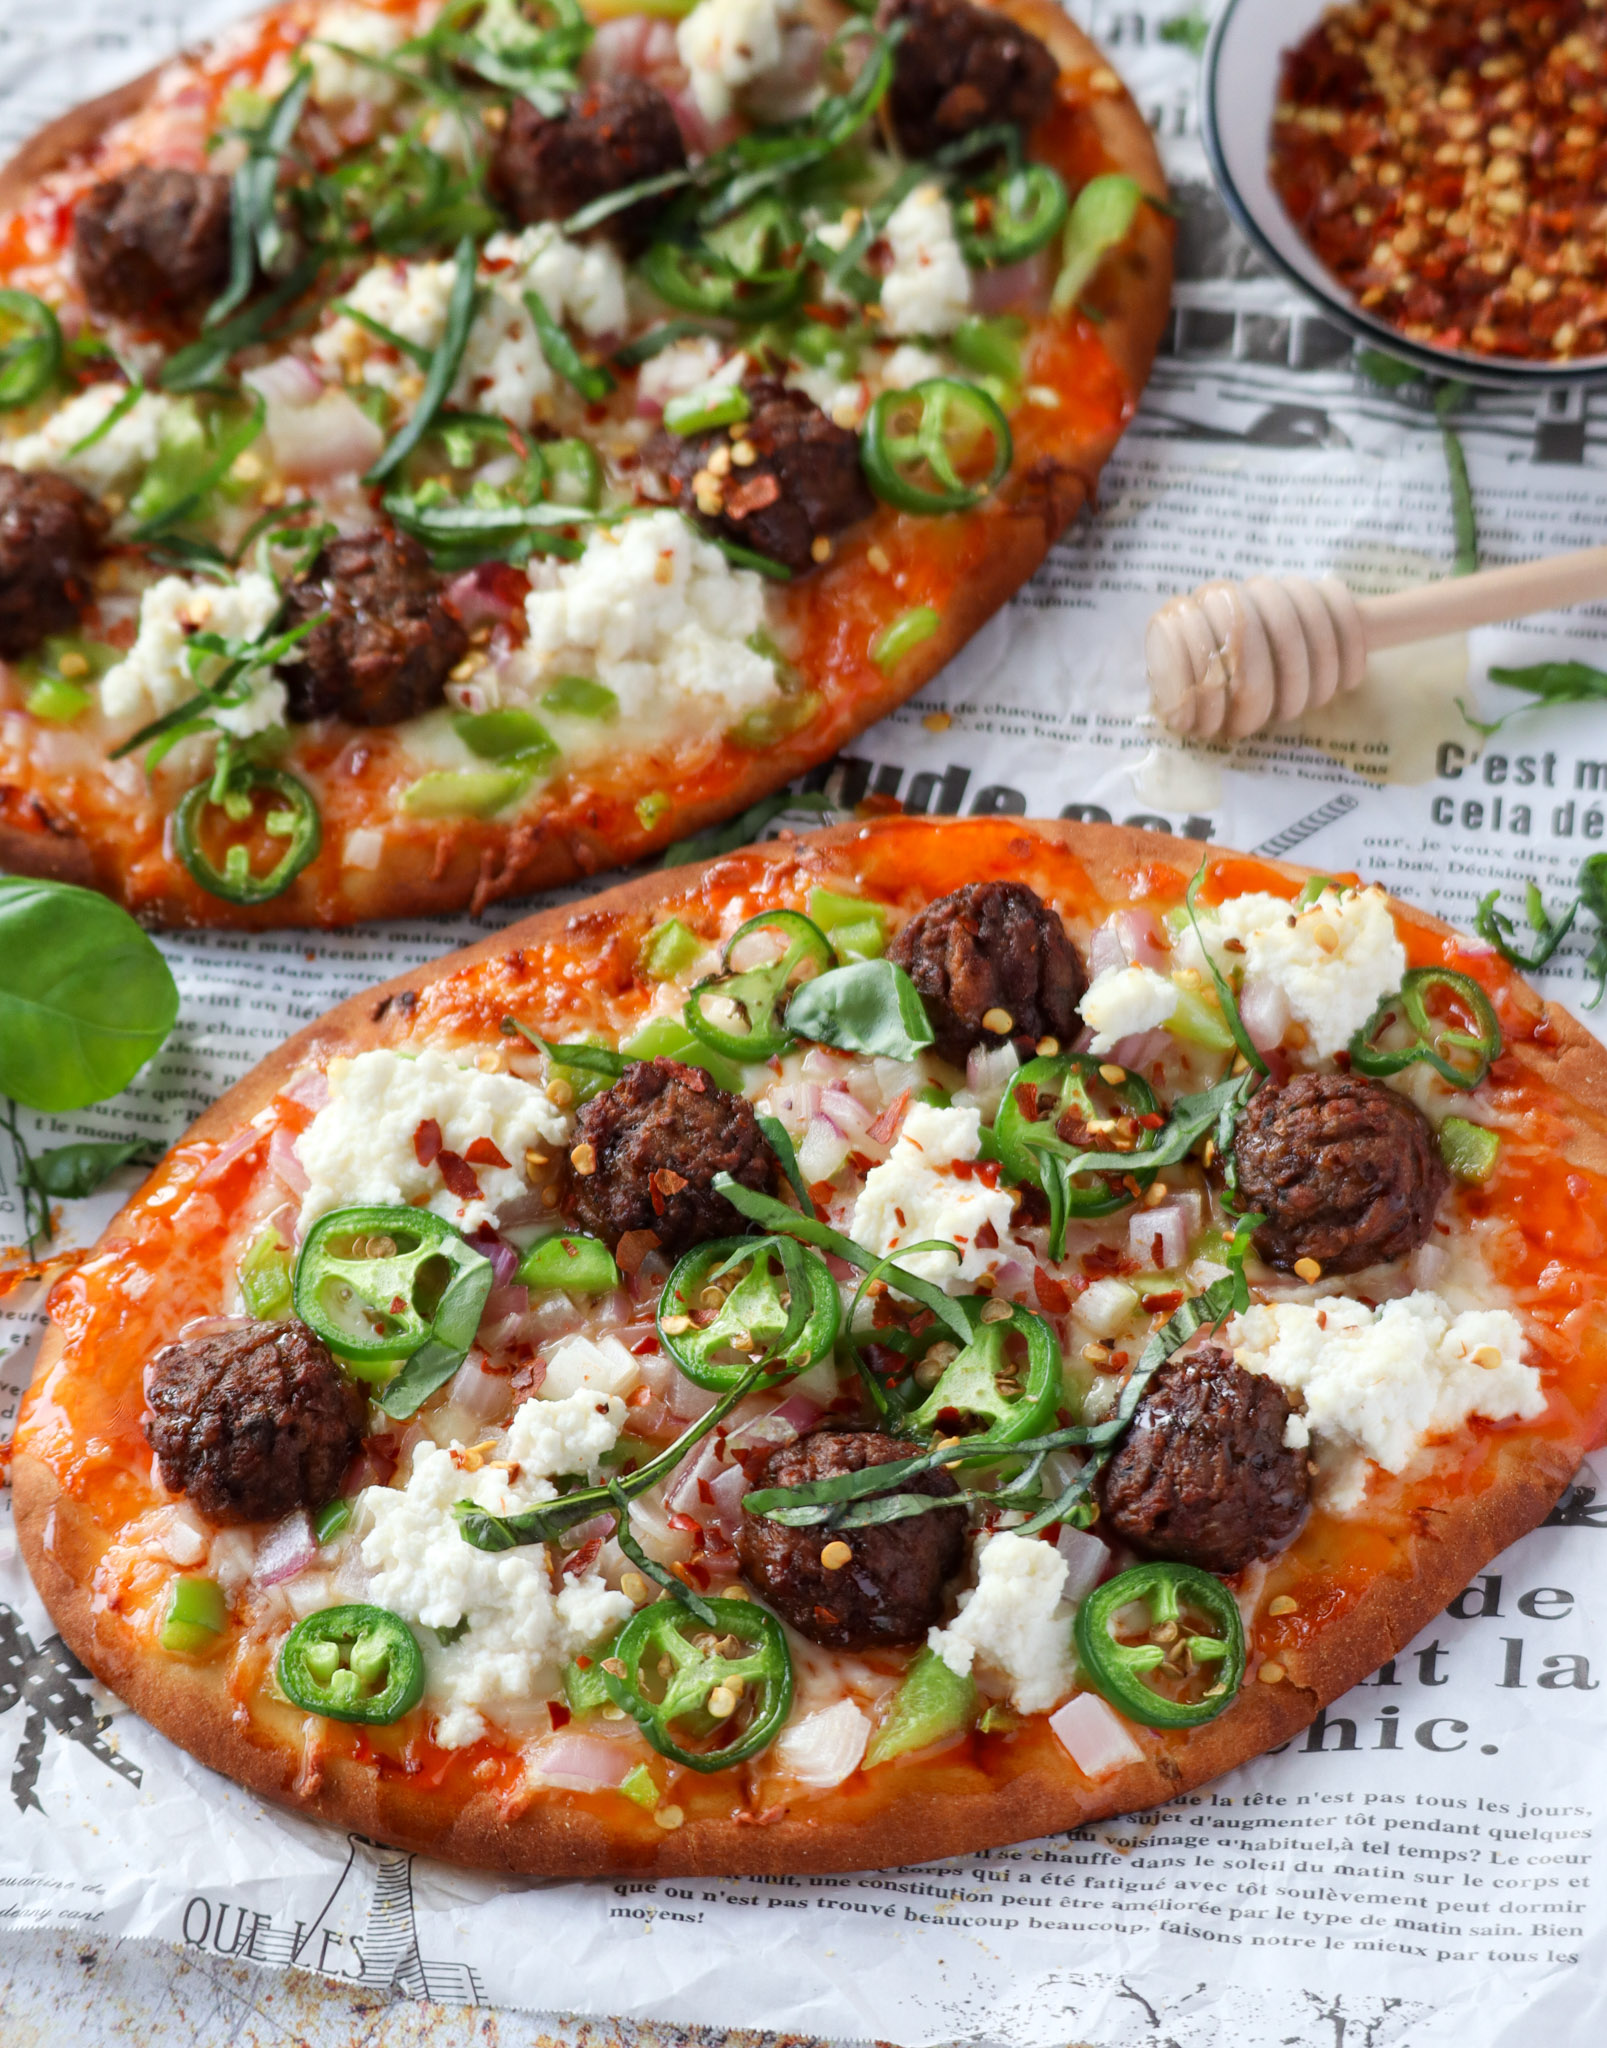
(50, 534)
(153, 244)
(992, 962)
(1345, 1171)
(612, 134)
(960, 68)
(646, 1152)
(253, 1423)
(389, 643)
(1203, 1476)
(890, 1586)
(788, 477)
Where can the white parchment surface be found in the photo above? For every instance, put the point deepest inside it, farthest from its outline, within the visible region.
(1421, 1867)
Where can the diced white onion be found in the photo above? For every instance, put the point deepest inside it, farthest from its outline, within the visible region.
(1159, 1237)
(824, 1748)
(823, 1151)
(1095, 1737)
(1086, 1559)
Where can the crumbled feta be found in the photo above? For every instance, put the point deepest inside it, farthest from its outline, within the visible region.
(1334, 961)
(582, 282)
(601, 1363)
(1124, 1001)
(410, 299)
(916, 1193)
(157, 675)
(504, 369)
(121, 452)
(1013, 1622)
(687, 366)
(360, 1146)
(823, 1748)
(1376, 1383)
(909, 365)
(927, 289)
(726, 45)
(340, 83)
(657, 615)
(519, 1632)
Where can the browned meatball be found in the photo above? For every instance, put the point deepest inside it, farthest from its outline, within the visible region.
(646, 1152)
(960, 68)
(1345, 1171)
(50, 534)
(992, 946)
(1203, 1475)
(153, 244)
(389, 643)
(612, 134)
(803, 485)
(253, 1423)
(892, 1589)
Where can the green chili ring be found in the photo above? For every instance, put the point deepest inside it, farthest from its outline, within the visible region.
(379, 1299)
(760, 993)
(1038, 1165)
(700, 280)
(1026, 209)
(758, 1710)
(1121, 1671)
(234, 882)
(753, 1308)
(30, 362)
(971, 1383)
(352, 1664)
(1485, 1045)
(950, 417)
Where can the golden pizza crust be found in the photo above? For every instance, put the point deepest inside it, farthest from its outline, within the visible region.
(917, 1810)
(467, 862)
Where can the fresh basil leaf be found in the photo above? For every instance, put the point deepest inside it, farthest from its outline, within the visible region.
(85, 997)
(1101, 219)
(1224, 994)
(255, 234)
(1593, 895)
(870, 1006)
(443, 370)
(203, 362)
(1498, 930)
(743, 830)
(781, 1144)
(71, 1172)
(585, 1059)
(451, 1334)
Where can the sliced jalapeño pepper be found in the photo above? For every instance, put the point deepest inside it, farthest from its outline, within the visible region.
(580, 1265)
(352, 1664)
(292, 820)
(30, 348)
(1106, 1116)
(1163, 1643)
(380, 1285)
(1013, 219)
(940, 446)
(1012, 1389)
(1461, 1057)
(704, 1697)
(759, 994)
(736, 1300)
(749, 268)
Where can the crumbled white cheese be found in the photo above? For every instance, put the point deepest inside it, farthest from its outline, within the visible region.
(656, 614)
(519, 1631)
(916, 1194)
(582, 282)
(156, 676)
(601, 1363)
(125, 449)
(909, 365)
(687, 366)
(340, 83)
(410, 299)
(1123, 1001)
(360, 1146)
(726, 45)
(1334, 961)
(1376, 1383)
(503, 370)
(927, 289)
(1014, 1622)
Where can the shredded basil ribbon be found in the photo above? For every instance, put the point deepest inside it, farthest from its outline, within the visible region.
(255, 234)
(443, 370)
(1224, 994)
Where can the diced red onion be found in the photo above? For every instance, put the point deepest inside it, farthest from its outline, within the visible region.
(288, 1548)
(689, 1401)
(1105, 952)
(822, 1151)
(477, 1392)
(988, 1071)
(287, 380)
(1143, 942)
(310, 1088)
(285, 1164)
(849, 1117)
(1010, 287)
(728, 1488)
(1095, 1737)
(324, 436)
(580, 1763)
(1159, 1237)
(1265, 1010)
(244, 1141)
(824, 1747)
(1087, 1561)
(702, 1462)
(798, 1411)
(1141, 1050)
(486, 595)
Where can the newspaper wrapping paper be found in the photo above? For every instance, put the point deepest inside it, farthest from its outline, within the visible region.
(1418, 1868)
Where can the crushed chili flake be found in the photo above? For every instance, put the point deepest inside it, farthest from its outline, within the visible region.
(483, 1153)
(558, 1714)
(1448, 165)
(427, 1142)
(1053, 1298)
(458, 1175)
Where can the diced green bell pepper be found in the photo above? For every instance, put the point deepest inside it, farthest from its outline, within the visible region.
(930, 1705)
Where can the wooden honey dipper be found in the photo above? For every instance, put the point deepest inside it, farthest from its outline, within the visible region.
(1232, 657)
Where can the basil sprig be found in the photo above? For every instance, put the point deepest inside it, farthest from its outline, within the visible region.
(1498, 930)
(203, 362)
(256, 234)
(1224, 994)
(70, 1173)
(444, 363)
(870, 1006)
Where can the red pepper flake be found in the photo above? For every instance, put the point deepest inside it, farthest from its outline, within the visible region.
(1162, 1304)
(483, 1153)
(1027, 1100)
(427, 1142)
(987, 1238)
(705, 1493)
(632, 1249)
(891, 1117)
(459, 1176)
(1152, 1120)
(753, 496)
(1052, 1297)
(558, 1714)
(644, 1347)
(685, 1523)
(579, 1562)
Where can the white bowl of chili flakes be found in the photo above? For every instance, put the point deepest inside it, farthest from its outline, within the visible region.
(1435, 174)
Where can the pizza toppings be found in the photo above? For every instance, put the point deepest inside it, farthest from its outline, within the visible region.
(356, 1663)
(960, 68)
(382, 643)
(168, 664)
(992, 963)
(152, 245)
(1345, 1171)
(1013, 1622)
(51, 535)
(780, 479)
(1208, 1473)
(252, 1422)
(647, 1150)
(928, 1190)
(613, 136)
(878, 1586)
